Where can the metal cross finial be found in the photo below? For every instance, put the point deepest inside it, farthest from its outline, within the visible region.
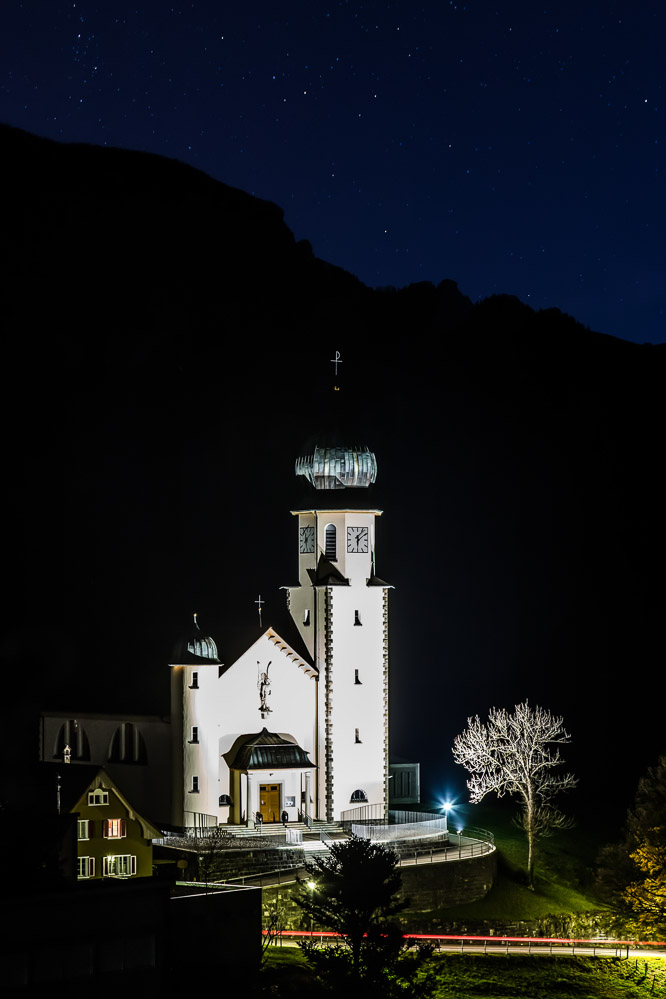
(259, 602)
(336, 360)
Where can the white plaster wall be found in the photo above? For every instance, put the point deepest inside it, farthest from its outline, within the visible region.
(226, 707)
(199, 758)
(363, 706)
(358, 706)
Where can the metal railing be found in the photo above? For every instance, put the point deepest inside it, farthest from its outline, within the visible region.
(463, 848)
(425, 829)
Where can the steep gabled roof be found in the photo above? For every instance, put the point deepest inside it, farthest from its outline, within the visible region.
(77, 779)
(287, 639)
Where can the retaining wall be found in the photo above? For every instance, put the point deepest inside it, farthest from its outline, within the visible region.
(432, 886)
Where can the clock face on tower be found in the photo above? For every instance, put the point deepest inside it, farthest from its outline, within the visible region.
(357, 539)
(306, 542)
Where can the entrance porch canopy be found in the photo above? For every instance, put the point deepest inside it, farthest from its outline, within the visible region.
(267, 751)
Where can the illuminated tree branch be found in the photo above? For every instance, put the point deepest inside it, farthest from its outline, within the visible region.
(516, 754)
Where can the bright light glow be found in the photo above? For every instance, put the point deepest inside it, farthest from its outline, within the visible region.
(311, 885)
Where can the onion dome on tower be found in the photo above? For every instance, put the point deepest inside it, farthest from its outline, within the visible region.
(195, 648)
(332, 461)
(338, 468)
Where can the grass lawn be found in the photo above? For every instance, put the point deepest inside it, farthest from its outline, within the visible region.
(500, 977)
(564, 866)
(547, 978)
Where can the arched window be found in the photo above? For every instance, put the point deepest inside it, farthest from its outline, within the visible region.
(358, 797)
(225, 799)
(127, 745)
(330, 543)
(71, 734)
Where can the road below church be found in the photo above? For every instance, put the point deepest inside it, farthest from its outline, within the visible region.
(504, 946)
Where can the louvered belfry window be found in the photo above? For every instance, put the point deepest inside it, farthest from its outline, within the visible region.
(330, 540)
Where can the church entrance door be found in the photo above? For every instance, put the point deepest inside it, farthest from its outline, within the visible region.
(269, 796)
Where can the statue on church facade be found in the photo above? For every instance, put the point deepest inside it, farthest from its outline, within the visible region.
(263, 685)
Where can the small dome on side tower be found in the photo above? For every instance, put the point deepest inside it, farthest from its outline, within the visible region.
(195, 648)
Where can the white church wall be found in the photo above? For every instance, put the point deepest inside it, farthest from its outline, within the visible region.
(358, 717)
(224, 708)
(199, 747)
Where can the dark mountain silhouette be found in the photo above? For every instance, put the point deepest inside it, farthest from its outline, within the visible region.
(167, 346)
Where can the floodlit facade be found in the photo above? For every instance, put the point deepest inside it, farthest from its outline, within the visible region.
(296, 728)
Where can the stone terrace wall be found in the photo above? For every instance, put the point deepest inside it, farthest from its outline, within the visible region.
(433, 886)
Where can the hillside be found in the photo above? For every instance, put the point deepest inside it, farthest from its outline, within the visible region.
(167, 354)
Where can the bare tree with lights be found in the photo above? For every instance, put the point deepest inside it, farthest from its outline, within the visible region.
(516, 754)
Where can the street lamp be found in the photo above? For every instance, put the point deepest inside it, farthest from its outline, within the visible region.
(446, 807)
(312, 886)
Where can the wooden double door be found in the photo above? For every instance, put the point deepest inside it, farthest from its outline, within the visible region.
(269, 802)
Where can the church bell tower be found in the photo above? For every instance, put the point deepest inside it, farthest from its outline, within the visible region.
(340, 607)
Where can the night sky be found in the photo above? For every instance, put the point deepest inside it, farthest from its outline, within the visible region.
(512, 147)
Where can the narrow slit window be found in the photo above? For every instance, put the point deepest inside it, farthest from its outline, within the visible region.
(194, 682)
(195, 785)
(357, 617)
(306, 618)
(195, 734)
(357, 737)
(356, 679)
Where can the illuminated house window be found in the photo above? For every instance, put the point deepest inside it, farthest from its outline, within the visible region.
(330, 542)
(82, 829)
(194, 680)
(358, 797)
(357, 617)
(86, 867)
(98, 797)
(114, 829)
(195, 785)
(119, 867)
(356, 679)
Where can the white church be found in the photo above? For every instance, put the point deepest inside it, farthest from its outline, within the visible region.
(296, 727)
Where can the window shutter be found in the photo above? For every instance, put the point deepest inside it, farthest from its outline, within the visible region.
(133, 865)
(123, 827)
(106, 828)
(91, 828)
(91, 867)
